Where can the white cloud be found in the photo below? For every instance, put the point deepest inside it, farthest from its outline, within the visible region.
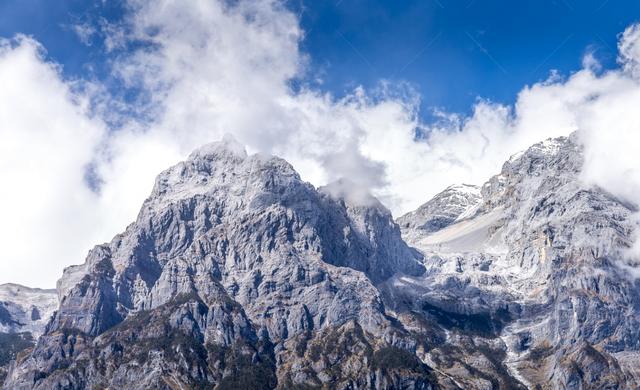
(217, 68)
(46, 141)
(214, 67)
(85, 32)
(629, 50)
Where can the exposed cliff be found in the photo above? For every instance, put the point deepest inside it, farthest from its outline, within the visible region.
(233, 262)
(541, 265)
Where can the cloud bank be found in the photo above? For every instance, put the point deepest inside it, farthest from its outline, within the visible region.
(212, 68)
(46, 141)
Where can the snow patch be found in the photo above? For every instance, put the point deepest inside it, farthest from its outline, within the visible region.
(467, 235)
(30, 308)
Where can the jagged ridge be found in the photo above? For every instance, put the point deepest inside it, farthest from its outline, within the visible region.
(231, 254)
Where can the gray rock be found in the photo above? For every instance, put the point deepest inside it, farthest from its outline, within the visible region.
(264, 259)
(456, 202)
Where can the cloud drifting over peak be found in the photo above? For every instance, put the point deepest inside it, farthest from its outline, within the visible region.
(211, 68)
(217, 68)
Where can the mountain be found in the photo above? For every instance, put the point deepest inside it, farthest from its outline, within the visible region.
(24, 309)
(449, 206)
(237, 274)
(538, 267)
(24, 313)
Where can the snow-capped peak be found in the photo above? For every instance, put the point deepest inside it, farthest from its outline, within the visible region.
(443, 209)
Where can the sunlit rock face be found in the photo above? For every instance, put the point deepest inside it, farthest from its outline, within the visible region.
(237, 274)
(234, 268)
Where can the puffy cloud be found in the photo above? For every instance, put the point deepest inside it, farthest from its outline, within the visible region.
(46, 142)
(215, 68)
(207, 69)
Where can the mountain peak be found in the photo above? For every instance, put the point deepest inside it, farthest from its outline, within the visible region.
(352, 193)
(446, 207)
(541, 243)
(14, 288)
(225, 169)
(463, 188)
(232, 250)
(25, 309)
(228, 146)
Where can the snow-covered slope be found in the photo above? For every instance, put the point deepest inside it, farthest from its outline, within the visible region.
(456, 202)
(24, 314)
(24, 309)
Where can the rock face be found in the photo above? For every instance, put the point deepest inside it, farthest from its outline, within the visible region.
(24, 313)
(238, 275)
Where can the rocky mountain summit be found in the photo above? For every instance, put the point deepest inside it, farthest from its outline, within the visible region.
(539, 267)
(454, 203)
(237, 274)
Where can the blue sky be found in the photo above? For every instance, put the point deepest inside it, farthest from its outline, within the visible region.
(50, 23)
(455, 51)
(451, 52)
